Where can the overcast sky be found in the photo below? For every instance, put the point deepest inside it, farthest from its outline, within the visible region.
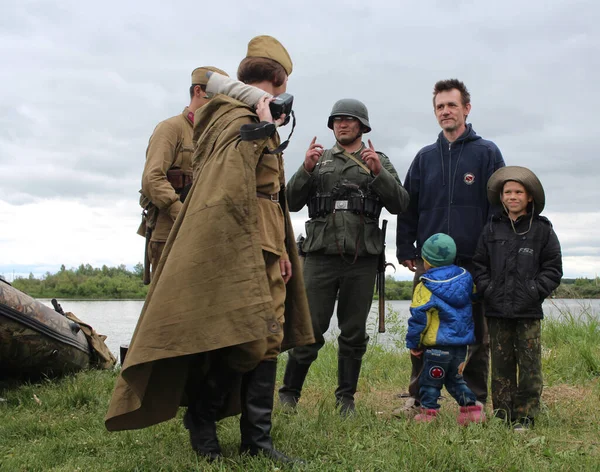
(85, 83)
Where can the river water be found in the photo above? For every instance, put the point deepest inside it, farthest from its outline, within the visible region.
(117, 318)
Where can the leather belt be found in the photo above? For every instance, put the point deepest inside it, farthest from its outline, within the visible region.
(274, 198)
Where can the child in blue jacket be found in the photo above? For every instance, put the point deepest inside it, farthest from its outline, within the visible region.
(440, 328)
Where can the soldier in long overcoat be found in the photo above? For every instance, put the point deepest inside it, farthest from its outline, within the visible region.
(227, 296)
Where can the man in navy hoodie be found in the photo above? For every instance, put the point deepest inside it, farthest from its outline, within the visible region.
(447, 186)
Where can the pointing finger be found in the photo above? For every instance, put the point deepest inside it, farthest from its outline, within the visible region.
(371, 145)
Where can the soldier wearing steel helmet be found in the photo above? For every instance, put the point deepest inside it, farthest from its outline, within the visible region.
(345, 188)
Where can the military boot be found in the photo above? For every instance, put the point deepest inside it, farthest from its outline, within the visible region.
(201, 416)
(258, 388)
(348, 372)
(295, 373)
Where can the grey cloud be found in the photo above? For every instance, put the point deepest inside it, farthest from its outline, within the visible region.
(84, 84)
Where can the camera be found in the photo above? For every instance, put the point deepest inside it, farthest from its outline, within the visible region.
(282, 104)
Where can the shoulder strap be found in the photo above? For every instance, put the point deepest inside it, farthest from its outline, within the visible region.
(179, 143)
(357, 161)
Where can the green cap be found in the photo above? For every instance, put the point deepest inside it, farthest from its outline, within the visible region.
(439, 250)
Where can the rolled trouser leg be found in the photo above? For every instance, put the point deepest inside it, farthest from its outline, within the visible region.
(433, 376)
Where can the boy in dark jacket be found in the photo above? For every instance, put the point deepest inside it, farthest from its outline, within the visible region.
(441, 323)
(518, 264)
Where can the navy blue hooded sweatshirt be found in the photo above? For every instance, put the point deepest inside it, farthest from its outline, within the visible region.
(447, 184)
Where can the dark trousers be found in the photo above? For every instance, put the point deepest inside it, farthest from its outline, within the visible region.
(478, 361)
(516, 367)
(441, 366)
(330, 277)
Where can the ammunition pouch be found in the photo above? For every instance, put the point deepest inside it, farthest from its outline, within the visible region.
(325, 203)
(180, 178)
(300, 245)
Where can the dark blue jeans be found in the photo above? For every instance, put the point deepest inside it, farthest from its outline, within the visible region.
(441, 367)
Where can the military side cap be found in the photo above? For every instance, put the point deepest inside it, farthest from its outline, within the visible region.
(517, 174)
(199, 74)
(269, 47)
(439, 250)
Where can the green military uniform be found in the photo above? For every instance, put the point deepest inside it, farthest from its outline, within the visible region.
(342, 245)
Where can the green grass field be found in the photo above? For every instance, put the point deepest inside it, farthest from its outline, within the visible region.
(57, 425)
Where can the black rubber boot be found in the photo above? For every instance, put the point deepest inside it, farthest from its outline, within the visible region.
(295, 373)
(201, 415)
(348, 373)
(258, 388)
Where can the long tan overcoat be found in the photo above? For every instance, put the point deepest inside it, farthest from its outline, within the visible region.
(210, 290)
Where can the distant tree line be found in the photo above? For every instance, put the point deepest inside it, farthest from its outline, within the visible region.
(578, 288)
(87, 282)
(569, 288)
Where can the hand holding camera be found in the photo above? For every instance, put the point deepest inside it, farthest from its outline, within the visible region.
(265, 111)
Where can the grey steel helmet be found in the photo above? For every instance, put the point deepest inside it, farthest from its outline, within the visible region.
(350, 107)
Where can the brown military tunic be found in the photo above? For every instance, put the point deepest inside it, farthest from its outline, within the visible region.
(270, 179)
(170, 146)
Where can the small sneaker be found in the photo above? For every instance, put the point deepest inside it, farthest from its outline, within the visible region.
(427, 415)
(520, 428)
(471, 414)
(410, 408)
(523, 425)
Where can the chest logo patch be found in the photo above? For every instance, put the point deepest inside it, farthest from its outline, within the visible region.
(526, 251)
(469, 178)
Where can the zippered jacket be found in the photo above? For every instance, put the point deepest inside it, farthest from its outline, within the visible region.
(441, 310)
(447, 185)
(516, 272)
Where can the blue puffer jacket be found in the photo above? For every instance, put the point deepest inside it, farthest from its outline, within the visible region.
(447, 184)
(441, 312)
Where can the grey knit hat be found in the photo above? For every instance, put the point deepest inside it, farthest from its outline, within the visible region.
(439, 250)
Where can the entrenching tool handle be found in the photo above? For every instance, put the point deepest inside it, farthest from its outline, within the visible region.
(381, 280)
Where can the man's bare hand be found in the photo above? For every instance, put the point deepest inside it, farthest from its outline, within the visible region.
(416, 352)
(286, 270)
(410, 264)
(315, 150)
(371, 158)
